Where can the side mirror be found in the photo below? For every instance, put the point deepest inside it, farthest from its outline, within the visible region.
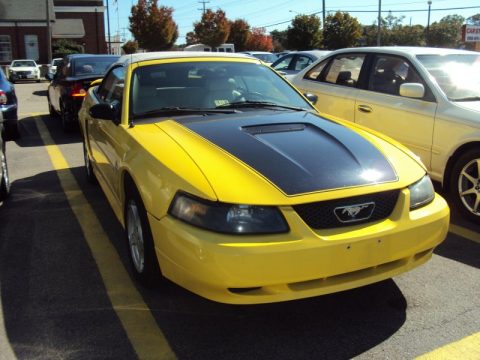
(311, 97)
(104, 111)
(412, 90)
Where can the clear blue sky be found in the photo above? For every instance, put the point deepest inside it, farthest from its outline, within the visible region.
(278, 15)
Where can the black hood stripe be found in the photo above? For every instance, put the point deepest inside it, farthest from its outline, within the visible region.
(299, 152)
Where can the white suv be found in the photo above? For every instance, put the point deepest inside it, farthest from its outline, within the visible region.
(426, 98)
(23, 70)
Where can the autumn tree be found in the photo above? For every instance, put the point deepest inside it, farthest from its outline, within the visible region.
(191, 38)
(130, 47)
(259, 41)
(446, 32)
(304, 33)
(341, 30)
(213, 29)
(239, 34)
(153, 26)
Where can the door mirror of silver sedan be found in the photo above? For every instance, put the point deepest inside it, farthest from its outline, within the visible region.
(104, 111)
(311, 97)
(412, 90)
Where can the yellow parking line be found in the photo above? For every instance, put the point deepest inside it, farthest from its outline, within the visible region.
(465, 233)
(142, 330)
(465, 349)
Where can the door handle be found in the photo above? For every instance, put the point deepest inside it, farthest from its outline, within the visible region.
(364, 108)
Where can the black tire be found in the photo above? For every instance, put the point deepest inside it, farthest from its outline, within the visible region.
(91, 178)
(5, 182)
(144, 260)
(11, 131)
(465, 185)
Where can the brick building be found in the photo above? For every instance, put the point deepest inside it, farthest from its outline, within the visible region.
(24, 31)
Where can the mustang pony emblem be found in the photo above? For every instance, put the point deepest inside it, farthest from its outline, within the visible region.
(354, 213)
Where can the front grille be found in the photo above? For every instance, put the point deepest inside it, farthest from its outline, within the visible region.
(320, 215)
(24, 73)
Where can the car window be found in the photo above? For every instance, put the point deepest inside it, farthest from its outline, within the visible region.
(112, 86)
(208, 85)
(316, 71)
(302, 62)
(284, 63)
(345, 70)
(24, 63)
(92, 66)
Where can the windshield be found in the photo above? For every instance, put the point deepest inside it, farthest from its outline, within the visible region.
(93, 66)
(458, 74)
(56, 62)
(210, 85)
(20, 63)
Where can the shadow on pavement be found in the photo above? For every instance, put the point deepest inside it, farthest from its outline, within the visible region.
(40, 93)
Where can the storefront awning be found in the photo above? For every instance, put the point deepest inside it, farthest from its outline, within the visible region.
(68, 29)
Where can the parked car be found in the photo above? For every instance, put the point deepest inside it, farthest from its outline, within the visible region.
(426, 98)
(52, 69)
(8, 108)
(230, 184)
(267, 57)
(69, 85)
(4, 179)
(295, 61)
(24, 70)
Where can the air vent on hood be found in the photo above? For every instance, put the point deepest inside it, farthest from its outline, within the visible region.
(275, 128)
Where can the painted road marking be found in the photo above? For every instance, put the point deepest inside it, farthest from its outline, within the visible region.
(465, 349)
(142, 330)
(465, 233)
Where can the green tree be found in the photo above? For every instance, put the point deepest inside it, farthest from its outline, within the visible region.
(279, 39)
(446, 32)
(213, 29)
(130, 47)
(153, 26)
(408, 36)
(341, 30)
(63, 47)
(473, 20)
(239, 34)
(304, 33)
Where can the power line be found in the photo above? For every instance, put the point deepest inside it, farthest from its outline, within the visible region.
(376, 11)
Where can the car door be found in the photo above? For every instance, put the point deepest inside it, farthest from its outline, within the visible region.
(381, 107)
(54, 91)
(105, 144)
(334, 80)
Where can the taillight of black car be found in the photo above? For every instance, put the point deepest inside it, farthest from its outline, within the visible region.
(78, 90)
(3, 97)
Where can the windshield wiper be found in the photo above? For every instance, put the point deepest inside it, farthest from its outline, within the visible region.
(248, 103)
(175, 110)
(469, 98)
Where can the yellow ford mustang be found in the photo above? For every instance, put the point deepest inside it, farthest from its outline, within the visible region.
(229, 183)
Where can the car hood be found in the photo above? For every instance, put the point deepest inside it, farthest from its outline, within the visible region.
(23, 68)
(291, 153)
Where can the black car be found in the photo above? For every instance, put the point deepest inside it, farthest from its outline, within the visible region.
(70, 83)
(8, 108)
(4, 179)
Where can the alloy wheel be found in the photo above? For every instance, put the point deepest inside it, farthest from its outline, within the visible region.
(135, 236)
(469, 186)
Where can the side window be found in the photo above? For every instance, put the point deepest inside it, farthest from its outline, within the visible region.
(283, 65)
(302, 62)
(314, 74)
(345, 70)
(389, 72)
(112, 86)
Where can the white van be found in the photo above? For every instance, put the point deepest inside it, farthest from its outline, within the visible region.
(229, 48)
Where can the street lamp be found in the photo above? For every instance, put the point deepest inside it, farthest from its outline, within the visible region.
(428, 22)
(295, 12)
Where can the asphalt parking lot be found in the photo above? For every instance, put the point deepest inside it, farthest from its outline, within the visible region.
(66, 290)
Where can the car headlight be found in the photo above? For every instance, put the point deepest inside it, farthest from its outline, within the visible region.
(228, 218)
(421, 193)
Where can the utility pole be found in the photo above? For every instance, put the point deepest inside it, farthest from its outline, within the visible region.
(379, 27)
(203, 2)
(323, 18)
(49, 34)
(108, 27)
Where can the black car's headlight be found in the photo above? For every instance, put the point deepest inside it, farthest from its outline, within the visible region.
(228, 218)
(421, 193)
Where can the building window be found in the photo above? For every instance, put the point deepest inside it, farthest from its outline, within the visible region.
(31, 47)
(5, 48)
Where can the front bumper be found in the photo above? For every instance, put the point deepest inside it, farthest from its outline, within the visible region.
(302, 263)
